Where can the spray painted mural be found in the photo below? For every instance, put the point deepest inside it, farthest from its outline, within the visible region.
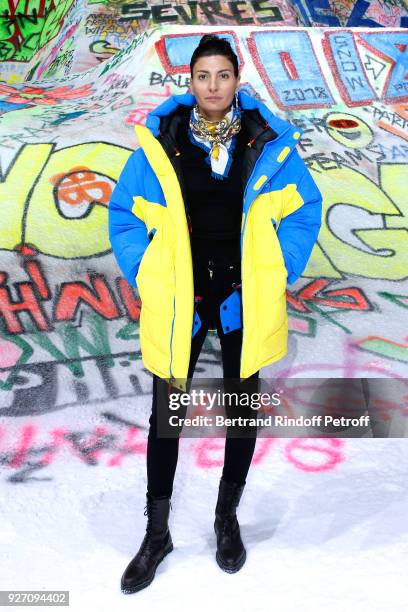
(50, 38)
(353, 13)
(70, 96)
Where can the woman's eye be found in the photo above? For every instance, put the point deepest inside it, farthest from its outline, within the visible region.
(225, 75)
(201, 75)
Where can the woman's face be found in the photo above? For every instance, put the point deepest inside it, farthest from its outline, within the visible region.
(213, 83)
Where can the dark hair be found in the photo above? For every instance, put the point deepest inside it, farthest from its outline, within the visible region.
(210, 44)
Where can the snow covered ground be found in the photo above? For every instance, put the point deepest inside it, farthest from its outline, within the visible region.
(324, 520)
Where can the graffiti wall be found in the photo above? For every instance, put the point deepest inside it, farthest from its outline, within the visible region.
(53, 38)
(50, 38)
(353, 13)
(74, 82)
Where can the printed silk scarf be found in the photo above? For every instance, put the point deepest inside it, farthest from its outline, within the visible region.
(216, 137)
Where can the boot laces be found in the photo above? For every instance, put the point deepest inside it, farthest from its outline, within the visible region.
(149, 506)
(147, 540)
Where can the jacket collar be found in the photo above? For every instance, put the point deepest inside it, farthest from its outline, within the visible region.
(281, 127)
(262, 160)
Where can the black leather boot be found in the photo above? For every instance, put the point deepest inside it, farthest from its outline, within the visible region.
(231, 553)
(156, 545)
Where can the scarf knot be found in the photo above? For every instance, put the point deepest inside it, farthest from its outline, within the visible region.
(216, 137)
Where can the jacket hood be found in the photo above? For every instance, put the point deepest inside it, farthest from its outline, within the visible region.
(247, 102)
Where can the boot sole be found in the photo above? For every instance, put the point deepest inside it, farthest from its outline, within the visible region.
(230, 569)
(142, 585)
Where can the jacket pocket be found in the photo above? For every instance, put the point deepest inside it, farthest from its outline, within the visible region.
(278, 248)
(144, 264)
(276, 205)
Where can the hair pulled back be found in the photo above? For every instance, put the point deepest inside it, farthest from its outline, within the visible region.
(210, 44)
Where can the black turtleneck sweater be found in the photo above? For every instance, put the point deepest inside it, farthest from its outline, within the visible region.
(214, 205)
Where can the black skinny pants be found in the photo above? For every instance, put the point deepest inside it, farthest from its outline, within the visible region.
(162, 453)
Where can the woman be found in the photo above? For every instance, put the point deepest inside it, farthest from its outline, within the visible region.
(210, 218)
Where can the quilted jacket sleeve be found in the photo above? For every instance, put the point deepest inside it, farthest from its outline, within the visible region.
(301, 221)
(127, 231)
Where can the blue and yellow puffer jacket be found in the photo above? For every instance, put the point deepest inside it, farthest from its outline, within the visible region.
(148, 230)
